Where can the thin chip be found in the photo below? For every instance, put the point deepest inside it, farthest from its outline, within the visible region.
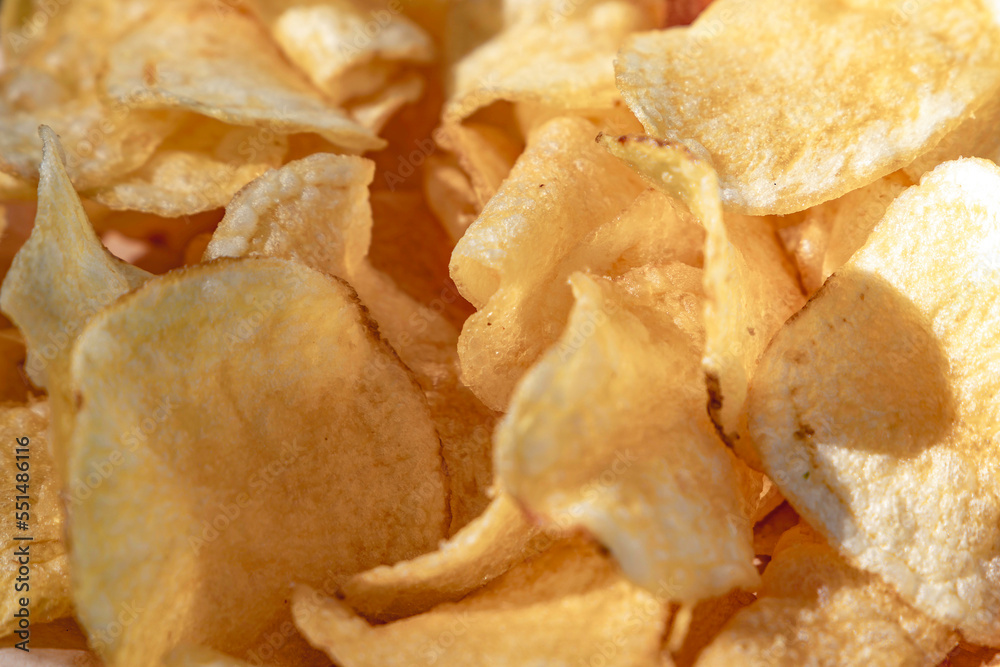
(750, 286)
(188, 55)
(316, 210)
(568, 606)
(886, 383)
(198, 168)
(483, 550)
(609, 431)
(843, 123)
(554, 53)
(338, 430)
(509, 264)
(815, 609)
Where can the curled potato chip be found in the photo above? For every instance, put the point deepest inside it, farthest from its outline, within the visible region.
(62, 275)
(509, 262)
(558, 54)
(478, 553)
(188, 55)
(885, 384)
(44, 556)
(609, 431)
(711, 87)
(339, 431)
(198, 168)
(375, 110)
(343, 46)
(749, 285)
(815, 609)
(316, 211)
(485, 152)
(449, 194)
(567, 606)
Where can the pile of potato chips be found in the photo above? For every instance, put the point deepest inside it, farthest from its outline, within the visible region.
(502, 332)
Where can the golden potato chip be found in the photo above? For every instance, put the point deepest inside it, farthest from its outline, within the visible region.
(316, 210)
(555, 53)
(769, 530)
(35, 562)
(750, 287)
(568, 606)
(347, 49)
(198, 168)
(188, 55)
(977, 136)
(478, 553)
(62, 275)
(509, 263)
(609, 431)
(815, 609)
(338, 431)
(375, 110)
(842, 123)
(874, 409)
(485, 152)
(449, 194)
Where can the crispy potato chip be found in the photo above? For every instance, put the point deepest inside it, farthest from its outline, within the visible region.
(843, 123)
(567, 606)
(62, 275)
(188, 55)
(316, 210)
(485, 152)
(509, 263)
(769, 530)
(198, 168)
(749, 284)
(342, 45)
(483, 550)
(609, 431)
(815, 609)
(45, 567)
(375, 110)
(449, 194)
(977, 136)
(554, 53)
(340, 433)
(875, 411)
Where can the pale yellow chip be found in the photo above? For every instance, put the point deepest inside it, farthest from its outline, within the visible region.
(478, 553)
(554, 53)
(62, 275)
(875, 409)
(35, 564)
(188, 55)
(449, 193)
(815, 609)
(345, 46)
(198, 168)
(609, 431)
(750, 286)
(796, 103)
(977, 136)
(336, 430)
(509, 264)
(316, 211)
(568, 606)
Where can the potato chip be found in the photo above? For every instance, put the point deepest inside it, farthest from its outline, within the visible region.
(450, 195)
(316, 210)
(874, 408)
(842, 123)
(198, 168)
(554, 53)
(609, 431)
(338, 431)
(188, 55)
(483, 550)
(485, 152)
(568, 606)
(62, 275)
(749, 285)
(815, 609)
(509, 264)
(707, 619)
(375, 110)
(977, 136)
(41, 563)
(345, 46)
(769, 530)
